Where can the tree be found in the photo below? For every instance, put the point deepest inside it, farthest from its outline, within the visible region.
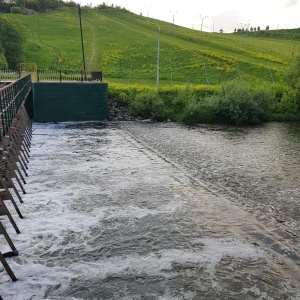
(258, 28)
(12, 41)
(268, 27)
(4, 6)
(221, 30)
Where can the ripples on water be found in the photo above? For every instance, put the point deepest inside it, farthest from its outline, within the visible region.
(157, 235)
(260, 164)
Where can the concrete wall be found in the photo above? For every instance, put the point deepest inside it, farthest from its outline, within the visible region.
(69, 101)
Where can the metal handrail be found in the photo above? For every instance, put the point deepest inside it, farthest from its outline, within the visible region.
(12, 96)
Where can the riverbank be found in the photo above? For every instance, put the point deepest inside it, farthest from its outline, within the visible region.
(107, 217)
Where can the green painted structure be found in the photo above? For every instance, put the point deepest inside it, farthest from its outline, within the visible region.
(70, 101)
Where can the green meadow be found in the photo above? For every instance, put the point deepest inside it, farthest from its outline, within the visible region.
(241, 78)
(124, 46)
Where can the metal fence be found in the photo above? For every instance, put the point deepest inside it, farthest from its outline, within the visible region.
(67, 75)
(53, 75)
(9, 75)
(11, 98)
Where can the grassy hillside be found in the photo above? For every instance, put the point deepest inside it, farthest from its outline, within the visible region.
(124, 46)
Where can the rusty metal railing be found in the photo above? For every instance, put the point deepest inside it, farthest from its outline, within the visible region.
(11, 98)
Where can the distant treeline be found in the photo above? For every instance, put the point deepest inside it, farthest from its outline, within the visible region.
(291, 34)
(42, 6)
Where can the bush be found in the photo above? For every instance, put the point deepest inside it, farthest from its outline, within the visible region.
(148, 105)
(265, 100)
(240, 105)
(234, 103)
(181, 101)
(191, 105)
(16, 10)
(286, 108)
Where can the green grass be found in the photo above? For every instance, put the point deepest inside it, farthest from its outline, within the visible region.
(124, 46)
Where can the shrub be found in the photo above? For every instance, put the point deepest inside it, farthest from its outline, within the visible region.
(265, 100)
(16, 10)
(234, 103)
(122, 95)
(239, 105)
(194, 106)
(148, 104)
(286, 108)
(181, 101)
(209, 108)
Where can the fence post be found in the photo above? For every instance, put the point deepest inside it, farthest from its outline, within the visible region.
(59, 75)
(206, 74)
(237, 66)
(271, 75)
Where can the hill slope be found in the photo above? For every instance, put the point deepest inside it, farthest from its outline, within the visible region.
(124, 46)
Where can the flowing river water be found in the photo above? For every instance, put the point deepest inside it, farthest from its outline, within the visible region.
(258, 166)
(163, 211)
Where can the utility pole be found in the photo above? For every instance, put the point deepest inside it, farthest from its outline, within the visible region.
(202, 19)
(82, 48)
(286, 25)
(243, 26)
(158, 54)
(172, 12)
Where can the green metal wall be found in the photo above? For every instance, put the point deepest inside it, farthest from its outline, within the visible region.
(68, 101)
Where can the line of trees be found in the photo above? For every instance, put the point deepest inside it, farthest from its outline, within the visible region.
(251, 29)
(40, 6)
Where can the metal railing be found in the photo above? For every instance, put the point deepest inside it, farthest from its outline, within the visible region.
(68, 75)
(11, 98)
(9, 75)
(53, 75)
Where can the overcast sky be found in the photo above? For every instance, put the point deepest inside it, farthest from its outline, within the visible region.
(216, 14)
